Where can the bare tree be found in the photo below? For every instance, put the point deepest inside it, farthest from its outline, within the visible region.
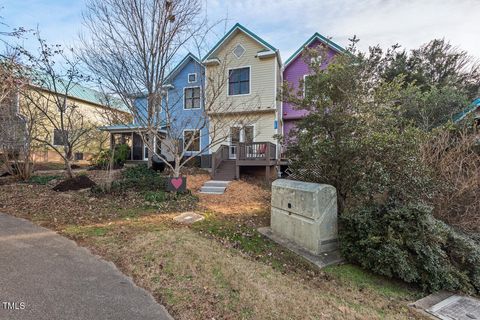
(53, 76)
(132, 47)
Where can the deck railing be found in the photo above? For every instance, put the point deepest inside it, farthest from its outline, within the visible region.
(247, 151)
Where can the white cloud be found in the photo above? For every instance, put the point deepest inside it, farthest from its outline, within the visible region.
(286, 24)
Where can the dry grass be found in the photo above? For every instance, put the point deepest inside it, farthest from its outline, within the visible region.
(228, 274)
(241, 197)
(198, 278)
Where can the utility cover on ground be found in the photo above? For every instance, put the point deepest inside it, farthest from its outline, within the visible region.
(448, 306)
(188, 217)
(458, 308)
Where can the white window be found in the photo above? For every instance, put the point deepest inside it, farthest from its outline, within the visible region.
(191, 140)
(239, 81)
(191, 98)
(306, 84)
(192, 77)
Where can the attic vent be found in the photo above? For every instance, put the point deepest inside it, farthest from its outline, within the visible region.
(239, 51)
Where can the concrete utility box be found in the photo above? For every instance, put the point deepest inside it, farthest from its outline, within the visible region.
(305, 213)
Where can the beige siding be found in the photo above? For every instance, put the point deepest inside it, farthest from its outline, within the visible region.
(262, 123)
(260, 108)
(93, 117)
(262, 77)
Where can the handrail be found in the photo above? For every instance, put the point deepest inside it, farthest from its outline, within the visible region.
(256, 151)
(218, 156)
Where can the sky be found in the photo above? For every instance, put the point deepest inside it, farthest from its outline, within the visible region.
(286, 24)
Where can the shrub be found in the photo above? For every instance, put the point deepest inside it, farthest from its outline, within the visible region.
(120, 156)
(154, 196)
(138, 178)
(452, 155)
(42, 180)
(406, 242)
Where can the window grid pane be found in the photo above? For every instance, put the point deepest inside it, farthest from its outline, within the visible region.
(239, 81)
(192, 98)
(195, 144)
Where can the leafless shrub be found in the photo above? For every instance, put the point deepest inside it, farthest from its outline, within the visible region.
(455, 160)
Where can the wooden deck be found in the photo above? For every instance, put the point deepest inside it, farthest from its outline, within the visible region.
(259, 154)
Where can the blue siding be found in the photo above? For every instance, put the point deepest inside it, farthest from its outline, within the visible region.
(182, 118)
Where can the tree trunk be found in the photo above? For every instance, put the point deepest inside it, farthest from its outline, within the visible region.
(176, 171)
(68, 166)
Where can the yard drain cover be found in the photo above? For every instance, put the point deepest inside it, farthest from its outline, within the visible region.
(457, 308)
(189, 218)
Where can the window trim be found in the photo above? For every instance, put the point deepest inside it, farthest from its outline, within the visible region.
(199, 141)
(184, 97)
(249, 82)
(244, 50)
(192, 74)
(305, 83)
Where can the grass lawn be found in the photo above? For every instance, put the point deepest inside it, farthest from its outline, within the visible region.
(219, 268)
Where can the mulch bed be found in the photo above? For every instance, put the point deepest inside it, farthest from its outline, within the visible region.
(76, 183)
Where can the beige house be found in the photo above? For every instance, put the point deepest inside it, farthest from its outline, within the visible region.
(87, 111)
(243, 78)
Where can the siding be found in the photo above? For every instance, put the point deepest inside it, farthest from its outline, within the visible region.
(262, 94)
(188, 118)
(93, 115)
(293, 76)
(263, 127)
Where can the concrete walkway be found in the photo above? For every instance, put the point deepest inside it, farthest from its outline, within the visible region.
(46, 276)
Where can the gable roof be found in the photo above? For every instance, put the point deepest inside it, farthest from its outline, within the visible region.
(181, 65)
(471, 108)
(229, 34)
(319, 37)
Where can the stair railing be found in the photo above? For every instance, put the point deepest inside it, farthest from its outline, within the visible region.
(218, 157)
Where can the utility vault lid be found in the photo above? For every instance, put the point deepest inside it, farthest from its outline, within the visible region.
(458, 308)
(448, 306)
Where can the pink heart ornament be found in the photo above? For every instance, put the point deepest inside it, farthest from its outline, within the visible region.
(177, 182)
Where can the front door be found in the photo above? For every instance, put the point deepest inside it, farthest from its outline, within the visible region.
(234, 139)
(237, 135)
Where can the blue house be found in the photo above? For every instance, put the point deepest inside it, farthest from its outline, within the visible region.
(182, 113)
(184, 107)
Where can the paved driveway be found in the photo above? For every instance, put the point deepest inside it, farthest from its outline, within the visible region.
(46, 276)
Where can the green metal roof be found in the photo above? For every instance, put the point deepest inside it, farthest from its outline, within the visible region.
(127, 127)
(78, 91)
(316, 36)
(236, 27)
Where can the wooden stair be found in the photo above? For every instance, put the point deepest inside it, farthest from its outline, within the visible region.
(225, 171)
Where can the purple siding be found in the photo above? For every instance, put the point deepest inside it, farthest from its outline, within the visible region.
(293, 74)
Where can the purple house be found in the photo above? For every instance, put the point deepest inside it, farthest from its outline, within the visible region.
(295, 70)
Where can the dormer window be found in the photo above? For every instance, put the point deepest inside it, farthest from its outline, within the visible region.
(239, 51)
(192, 77)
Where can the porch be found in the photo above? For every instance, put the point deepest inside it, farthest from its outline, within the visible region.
(228, 160)
(138, 151)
